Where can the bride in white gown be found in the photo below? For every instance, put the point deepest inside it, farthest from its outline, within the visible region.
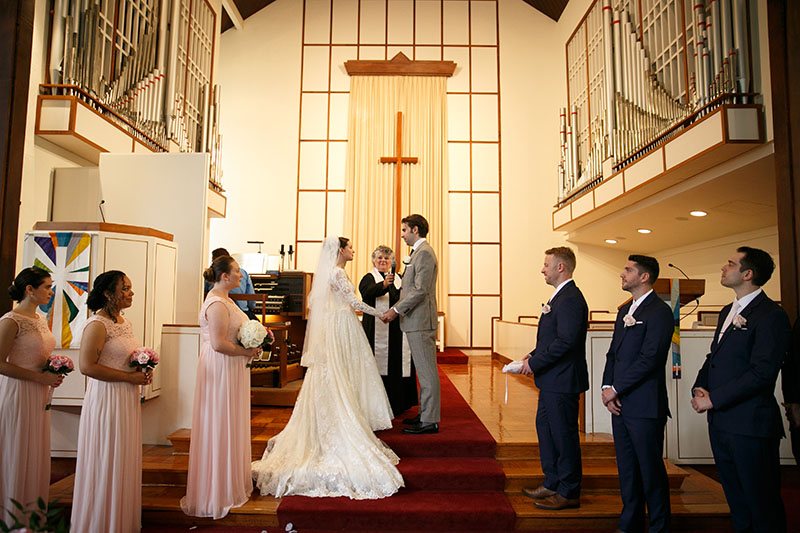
(328, 448)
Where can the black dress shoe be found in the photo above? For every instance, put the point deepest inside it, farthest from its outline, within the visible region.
(421, 429)
(411, 421)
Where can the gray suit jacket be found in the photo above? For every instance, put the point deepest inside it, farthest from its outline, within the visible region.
(417, 305)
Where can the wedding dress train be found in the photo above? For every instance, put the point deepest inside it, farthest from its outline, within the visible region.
(328, 448)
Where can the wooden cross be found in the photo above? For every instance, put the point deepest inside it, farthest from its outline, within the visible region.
(398, 160)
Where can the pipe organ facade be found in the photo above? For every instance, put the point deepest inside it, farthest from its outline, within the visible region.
(640, 71)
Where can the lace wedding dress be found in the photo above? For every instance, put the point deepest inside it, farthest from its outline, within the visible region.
(328, 448)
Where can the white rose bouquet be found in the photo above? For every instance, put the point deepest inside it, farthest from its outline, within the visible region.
(252, 335)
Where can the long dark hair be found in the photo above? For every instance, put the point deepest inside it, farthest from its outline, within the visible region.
(105, 282)
(33, 276)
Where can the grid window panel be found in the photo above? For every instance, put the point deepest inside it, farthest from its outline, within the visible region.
(484, 117)
(486, 260)
(483, 22)
(314, 119)
(338, 118)
(459, 81)
(340, 80)
(317, 22)
(401, 21)
(485, 167)
(345, 22)
(428, 23)
(458, 156)
(486, 224)
(460, 217)
(484, 70)
(483, 309)
(460, 269)
(316, 60)
(373, 22)
(337, 157)
(312, 165)
(334, 221)
(458, 323)
(456, 22)
(311, 211)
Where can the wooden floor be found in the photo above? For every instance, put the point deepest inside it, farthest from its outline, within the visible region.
(697, 501)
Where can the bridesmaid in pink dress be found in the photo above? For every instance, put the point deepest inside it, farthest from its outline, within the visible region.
(25, 344)
(108, 473)
(219, 452)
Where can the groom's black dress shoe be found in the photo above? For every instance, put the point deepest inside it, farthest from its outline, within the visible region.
(421, 429)
(411, 421)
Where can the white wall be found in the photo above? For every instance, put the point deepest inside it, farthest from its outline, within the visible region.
(166, 192)
(259, 71)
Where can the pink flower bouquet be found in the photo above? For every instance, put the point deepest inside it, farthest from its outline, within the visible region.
(57, 364)
(145, 359)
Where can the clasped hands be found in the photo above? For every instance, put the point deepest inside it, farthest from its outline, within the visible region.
(611, 400)
(388, 316)
(701, 402)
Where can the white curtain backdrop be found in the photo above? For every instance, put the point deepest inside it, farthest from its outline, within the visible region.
(369, 184)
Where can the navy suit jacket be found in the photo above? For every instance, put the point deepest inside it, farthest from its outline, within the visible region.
(559, 360)
(635, 362)
(741, 370)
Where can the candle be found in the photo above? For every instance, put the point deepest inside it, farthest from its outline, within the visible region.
(282, 252)
(290, 249)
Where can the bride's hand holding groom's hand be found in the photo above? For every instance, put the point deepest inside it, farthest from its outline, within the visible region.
(389, 315)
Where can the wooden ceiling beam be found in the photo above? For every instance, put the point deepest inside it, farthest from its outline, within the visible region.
(233, 13)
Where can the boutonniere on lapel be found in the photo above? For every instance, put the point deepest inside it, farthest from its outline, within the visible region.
(407, 260)
(739, 322)
(629, 321)
(546, 309)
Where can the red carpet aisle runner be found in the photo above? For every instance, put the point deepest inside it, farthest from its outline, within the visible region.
(453, 483)
(452, 356)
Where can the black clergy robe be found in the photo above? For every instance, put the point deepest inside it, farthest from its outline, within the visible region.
(402, 391)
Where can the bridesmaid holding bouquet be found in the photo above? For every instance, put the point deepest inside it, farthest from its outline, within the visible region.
(25, 344)
(108, 475)
(219, 452)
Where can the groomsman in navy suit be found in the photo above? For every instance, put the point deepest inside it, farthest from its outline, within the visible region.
(558, 364)
(635, 392)
(736, 387)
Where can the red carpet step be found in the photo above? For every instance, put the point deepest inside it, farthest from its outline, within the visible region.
(452, 356)
(408, 509)
(470, 474)
(453, 483)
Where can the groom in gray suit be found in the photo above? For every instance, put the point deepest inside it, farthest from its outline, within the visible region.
(418, 320)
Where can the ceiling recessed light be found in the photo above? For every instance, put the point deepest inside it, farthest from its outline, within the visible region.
(611, 241)
(643, 230)
(698, 213)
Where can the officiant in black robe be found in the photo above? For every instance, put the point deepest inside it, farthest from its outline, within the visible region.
(387, 341)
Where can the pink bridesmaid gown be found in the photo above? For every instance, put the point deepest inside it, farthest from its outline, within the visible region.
(24, 424)
(108, 473)
(219, 452)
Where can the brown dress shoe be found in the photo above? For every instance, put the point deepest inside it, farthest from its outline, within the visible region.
(539, 493)
(556, 502)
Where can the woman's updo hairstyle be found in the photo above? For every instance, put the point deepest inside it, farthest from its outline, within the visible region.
(343, 241)
(105, 282)
(219, 266)
(33, 276)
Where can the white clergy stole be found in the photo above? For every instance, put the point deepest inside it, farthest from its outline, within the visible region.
(382, 331)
